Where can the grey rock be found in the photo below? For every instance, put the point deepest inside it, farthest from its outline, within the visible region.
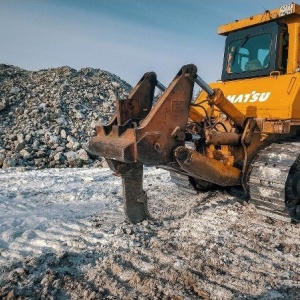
(76, 146)
(83, 155)
(63, 134)
(69, 145)
(2, 157)
(20, 137)
(53, 139)
(71, 156)
(40, 154)
(61, 120)
(12, 137)
(2, 105)
(89, 96)
(28, 138)
(54, 111)
(9, 163)
(42, 106)
(36, 144)
(71, 139)
(15, 90)
(104, 164)
(115, 85)
(273, 295)
(25, 154)
(11, 295)
(59, 157)
(19, 146)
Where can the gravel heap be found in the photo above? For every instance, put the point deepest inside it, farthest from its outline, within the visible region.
(47, 117)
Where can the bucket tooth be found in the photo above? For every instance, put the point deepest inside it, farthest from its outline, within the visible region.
(135, 198)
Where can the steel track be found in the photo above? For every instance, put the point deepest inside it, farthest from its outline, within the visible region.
(268, 177)
(182, 181)
(267, 181)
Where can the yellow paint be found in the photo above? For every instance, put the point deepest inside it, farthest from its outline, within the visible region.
(267, 16)
(271, 97)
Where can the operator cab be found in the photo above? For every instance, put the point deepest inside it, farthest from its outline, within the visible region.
(256, 51)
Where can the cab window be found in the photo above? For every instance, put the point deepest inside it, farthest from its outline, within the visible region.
(250, 53)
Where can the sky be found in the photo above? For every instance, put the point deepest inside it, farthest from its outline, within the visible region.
(125, 37)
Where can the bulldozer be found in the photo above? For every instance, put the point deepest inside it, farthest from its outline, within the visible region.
(242, 131)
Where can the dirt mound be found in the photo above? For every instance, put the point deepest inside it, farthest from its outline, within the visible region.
(48, 116)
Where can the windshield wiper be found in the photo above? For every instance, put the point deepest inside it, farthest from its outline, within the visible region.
(241, 44)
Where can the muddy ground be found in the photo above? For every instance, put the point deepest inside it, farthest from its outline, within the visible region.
(63, 235)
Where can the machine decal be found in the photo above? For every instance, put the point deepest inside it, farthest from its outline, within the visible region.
(251, 97)
(286, 9)
(178, 105)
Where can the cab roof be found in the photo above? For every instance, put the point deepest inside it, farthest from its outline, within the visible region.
(268, 15)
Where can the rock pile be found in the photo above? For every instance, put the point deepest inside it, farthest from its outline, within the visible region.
(47, 117)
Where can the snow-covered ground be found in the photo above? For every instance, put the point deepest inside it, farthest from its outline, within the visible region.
(63, 235)
(51, 210)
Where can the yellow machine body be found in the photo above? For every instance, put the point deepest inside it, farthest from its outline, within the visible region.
(242, 131)
(277, 95)
(273, 97)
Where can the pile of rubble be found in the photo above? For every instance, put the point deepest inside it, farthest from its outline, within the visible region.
(47, 117)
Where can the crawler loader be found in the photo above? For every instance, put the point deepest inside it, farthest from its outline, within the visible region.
(242, 131)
